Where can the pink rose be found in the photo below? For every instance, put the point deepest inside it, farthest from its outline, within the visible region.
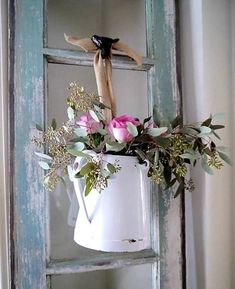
(88, 123)
(118, 127)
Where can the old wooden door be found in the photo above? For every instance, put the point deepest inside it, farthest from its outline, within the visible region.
(38, 65)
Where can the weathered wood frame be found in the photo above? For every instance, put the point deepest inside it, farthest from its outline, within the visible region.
(28, 58)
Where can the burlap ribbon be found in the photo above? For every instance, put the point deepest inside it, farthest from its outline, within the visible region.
(103, 68)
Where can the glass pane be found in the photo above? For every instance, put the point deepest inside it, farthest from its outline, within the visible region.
(131, 94)
(124, 19)
(136, 277)
(130, 89)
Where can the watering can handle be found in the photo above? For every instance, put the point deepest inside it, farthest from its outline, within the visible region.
(81, 201)
(144, 166)
(80, 191)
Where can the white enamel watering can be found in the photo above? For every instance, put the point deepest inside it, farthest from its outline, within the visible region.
(118, 218)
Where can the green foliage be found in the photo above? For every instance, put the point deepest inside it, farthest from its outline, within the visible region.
(115, 147)
(177, 121)
(132, 129)
(53, 124)
(70, 113)
(44, 165)
(157, 131)
(44, 156)
(170, 150)
(94, 115)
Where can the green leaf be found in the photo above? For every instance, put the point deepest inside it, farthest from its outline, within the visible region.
(132, 129)
(204, 131)
(78, 175)
(44, 156)
(102, 131)
(76, 153)
(140, 154)
(111, 168)
(170, 184)
(105, 173)
(101, 105)
(70, 113)
(177, 121)
(44, 165)
(217, 126)
(205, 166)
(85, 170)
(78, 146)
(190, 131)
(147, 119)
(167, 174)
(38, 127)
(100, 115)
(53, 123)
(207, 122)
(88, 186)
(208, 152)
(94, 115)
(179, 189)
(225, 158)
(156, 157)
(189, 156)
(157, 131)
(163, 142)
(216, 135)
(46, 181)
(115, 147)
(81, 132)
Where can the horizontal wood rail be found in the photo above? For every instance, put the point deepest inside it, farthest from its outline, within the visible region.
(75, 57)
(101, 262)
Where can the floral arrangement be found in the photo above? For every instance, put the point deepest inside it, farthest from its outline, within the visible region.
(170, 150)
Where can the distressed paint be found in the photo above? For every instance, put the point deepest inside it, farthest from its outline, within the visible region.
(29, 199)
(74, 57)
(102, 262)
(165, 97)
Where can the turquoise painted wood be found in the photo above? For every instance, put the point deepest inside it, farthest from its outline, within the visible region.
(101, 262)
(30, 208)
(26, 110)
(166, 103)
(81, 58)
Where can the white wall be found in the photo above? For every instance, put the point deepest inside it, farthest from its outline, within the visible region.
(232, 11)
(4, 269)
(207, 76)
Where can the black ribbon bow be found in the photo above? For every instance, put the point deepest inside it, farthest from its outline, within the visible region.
(104, 44)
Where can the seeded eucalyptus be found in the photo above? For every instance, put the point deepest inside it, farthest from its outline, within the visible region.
(170, 150)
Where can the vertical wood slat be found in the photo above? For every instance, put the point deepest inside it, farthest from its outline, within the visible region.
(29, 197)
(166, 101)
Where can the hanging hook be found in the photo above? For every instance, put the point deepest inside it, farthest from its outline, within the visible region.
(104, 44)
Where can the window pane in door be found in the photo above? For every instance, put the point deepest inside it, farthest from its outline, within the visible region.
(124, 19)
(130, 89)
(136, 277)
